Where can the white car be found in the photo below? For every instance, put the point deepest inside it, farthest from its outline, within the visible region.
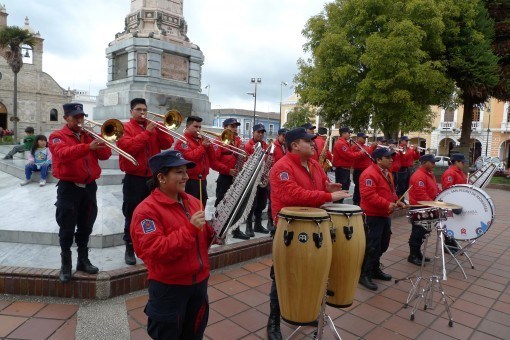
(442, 161)
(483, 160)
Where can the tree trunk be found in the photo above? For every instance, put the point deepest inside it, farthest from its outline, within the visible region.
(465, 135)
(15, 107)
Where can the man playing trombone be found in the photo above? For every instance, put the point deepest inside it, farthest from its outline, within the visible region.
(199, 150)
(75, 164)
(142, 139)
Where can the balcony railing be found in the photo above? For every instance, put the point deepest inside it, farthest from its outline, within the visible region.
(447, 125)
(476, 126)
(505, 126)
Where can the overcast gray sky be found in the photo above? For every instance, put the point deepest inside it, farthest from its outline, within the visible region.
(241, 39)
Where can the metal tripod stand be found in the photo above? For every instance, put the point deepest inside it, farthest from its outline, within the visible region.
(322, 321)
(423, 288)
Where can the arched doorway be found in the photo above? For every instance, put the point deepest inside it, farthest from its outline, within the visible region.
(475, 149)
(504, 152)
(445, 146)
(3, 116)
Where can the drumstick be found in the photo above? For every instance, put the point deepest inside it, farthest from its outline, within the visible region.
(400, 199)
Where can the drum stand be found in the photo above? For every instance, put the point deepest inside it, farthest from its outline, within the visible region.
(323, 319)
(425, 290)
(460, 251)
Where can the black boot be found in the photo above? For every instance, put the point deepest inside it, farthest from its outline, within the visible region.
(273, 323)
(237, 233)
(129, 255)
(270, 226)
(249, 227)
(415, 257)
(84, 263)
(67, 265)
(258, 226)
(378, 274)
(366, 275)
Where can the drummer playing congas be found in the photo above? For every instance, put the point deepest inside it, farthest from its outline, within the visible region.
(378, 201)
(424, 188)
(297, 180)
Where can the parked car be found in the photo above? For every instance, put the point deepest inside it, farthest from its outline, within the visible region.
(442, 161)
(483, 160)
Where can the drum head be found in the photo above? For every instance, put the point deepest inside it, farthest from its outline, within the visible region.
(304, 212)
(477, 211)
(340, 208)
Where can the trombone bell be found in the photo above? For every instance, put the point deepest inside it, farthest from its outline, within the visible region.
(112, 130)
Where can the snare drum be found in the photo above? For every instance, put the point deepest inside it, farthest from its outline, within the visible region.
(427, 217)
(348, 238)
(477, 211)
(301, 258)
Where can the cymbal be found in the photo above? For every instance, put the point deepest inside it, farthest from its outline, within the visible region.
(437, 204)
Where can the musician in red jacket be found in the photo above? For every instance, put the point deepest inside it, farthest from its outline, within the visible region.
(395, 166)
(141, 139)
(228, 164)
(320, 141)
(360, 163)
(297, 180)
(407, 158)
(75, 163)
(260, 201)
(379, 141)
(424, 188)
(378, 201)
(171, 236)
(280, 148)
(310, 129)
(454, 174)
(343, 157)
(199, 151)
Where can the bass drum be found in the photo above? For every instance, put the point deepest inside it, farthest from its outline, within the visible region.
(301, 260)
(349, 242)
(477, 213)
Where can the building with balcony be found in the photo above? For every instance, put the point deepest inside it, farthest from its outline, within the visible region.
(271, 121)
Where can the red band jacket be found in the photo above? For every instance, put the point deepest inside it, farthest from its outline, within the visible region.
(193, 150)
(280, 150)
(343, 155)
(424, 186)
(72, 158)
(377, 192)
(395, 166)
(452, 176)
(142, 145)
(250, 146)
(362, 161)
(407, 159)
(173, 249)
(320, 141)
(293, 185)
(225, 159)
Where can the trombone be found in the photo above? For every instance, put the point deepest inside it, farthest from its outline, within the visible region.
(111, 131)
(172, 120)
(226, 139)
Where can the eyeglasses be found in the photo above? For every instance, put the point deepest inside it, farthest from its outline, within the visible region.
(140, 110)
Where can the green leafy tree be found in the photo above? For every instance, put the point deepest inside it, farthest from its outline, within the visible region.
(301, 115)
(375, 62)
(12, 38)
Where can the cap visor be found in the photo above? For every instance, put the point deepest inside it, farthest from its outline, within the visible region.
(180, 162)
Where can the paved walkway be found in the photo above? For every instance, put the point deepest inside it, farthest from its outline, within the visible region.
(239, 303)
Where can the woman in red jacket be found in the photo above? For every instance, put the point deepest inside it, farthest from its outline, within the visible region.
(171, 236)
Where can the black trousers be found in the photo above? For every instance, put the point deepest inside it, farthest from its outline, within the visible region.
(177, 311)
(259, 203)
(356, 197)
(417, 237)
(269, 210)
(76, 213)
(193, 188)
(134, 190)
(404, 175)
(378, 235)
(222, 184)
(343, 176)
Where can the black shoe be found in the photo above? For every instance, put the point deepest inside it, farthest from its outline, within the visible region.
(129, 255)
(237, 233)
(67, 264)
(273, 323)
(8, 157)
(367, 282)
(380, 275)
(414, 259)
(270, 226)
(420, 256)
(84, 264)
(249, 228)
(259, 228)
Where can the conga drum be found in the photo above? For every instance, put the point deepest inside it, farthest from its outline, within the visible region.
(301, 260)
(348, 239)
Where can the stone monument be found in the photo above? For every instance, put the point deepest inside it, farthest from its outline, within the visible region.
(154, 59)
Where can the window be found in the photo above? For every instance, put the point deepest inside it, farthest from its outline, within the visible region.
(449, 115)
(271, 129)
(476, 114)
(247, 127)
(53, 115)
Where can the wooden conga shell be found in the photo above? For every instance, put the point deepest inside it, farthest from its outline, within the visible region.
(300, 267)
(348, 254)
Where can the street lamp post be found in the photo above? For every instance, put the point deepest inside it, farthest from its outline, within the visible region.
(282, 84)
(255, 81)
(488, 131)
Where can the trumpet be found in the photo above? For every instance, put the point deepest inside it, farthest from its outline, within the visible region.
(226, 141)
(392, 148)
(172, 120)
(111, 131)
(419, 148)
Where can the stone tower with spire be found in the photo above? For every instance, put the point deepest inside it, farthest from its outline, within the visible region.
(153, 59)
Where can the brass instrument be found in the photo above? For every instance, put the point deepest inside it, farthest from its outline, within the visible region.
(226, 141)
(362, 149)
(392, 148)
(172, 120)
(111, 131)
(323, 160)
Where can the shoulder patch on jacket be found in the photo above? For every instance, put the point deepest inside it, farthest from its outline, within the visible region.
(55, 140)
(344, 148)
(449, 179)
(148, 226)
(284, 176)
(184, 145)
(369, 182)
(421, 184)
